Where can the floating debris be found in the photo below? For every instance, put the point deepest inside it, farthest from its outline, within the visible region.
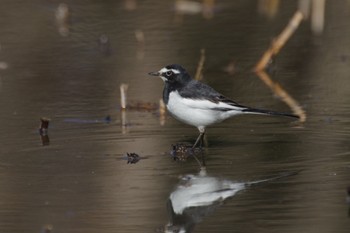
(181, 151)
(44, 125)
(44, 130)
(133, 158)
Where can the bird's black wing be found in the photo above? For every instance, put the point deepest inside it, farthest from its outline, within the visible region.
(201, 91)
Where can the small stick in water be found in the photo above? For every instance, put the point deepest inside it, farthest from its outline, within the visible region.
(43, 131)
(162, 112)
(280, 41)
(44, 125)
(283, 94)
(123, 90)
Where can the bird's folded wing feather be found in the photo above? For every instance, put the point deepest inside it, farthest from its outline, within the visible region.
(202, 96)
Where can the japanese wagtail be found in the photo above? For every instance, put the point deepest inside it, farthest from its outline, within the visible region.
(198, 104)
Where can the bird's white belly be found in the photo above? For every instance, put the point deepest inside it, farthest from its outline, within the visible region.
(193, 112)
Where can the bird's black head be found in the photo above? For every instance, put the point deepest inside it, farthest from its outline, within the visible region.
(173, 74)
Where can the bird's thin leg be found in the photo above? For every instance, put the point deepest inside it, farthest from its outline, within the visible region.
(200, 137)
(201, 141)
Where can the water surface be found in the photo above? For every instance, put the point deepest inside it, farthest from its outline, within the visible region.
(81, 181)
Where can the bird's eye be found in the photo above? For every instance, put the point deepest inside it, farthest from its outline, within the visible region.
(168, 73)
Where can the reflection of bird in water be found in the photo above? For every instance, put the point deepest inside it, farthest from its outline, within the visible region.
(196, 196)
(202, 190)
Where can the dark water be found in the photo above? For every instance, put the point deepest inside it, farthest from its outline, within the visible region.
(81, 181)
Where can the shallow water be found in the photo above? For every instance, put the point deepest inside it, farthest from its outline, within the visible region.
(81, 181)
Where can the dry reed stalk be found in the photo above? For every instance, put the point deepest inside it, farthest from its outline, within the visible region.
(277, 89)
(199, 72)
(279, 42)
(162, 112)
(123, 100)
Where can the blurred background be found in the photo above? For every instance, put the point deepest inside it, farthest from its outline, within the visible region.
(66, 61)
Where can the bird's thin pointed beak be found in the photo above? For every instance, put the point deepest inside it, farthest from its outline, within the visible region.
(154, 73)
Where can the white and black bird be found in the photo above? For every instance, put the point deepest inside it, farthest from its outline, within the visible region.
(198, 104)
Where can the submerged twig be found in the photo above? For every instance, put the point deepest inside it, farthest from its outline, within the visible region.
(279, 42)
(199, 72)
(283, 94)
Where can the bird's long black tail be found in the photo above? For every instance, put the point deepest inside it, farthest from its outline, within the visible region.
(268, 112)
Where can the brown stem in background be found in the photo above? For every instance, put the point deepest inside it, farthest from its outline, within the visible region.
(199, 72)
(285, 97)
(123, 100)
(162, 112)
(275, 47)
(279, 42)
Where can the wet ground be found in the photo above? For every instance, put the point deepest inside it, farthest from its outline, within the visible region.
(69, 69)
